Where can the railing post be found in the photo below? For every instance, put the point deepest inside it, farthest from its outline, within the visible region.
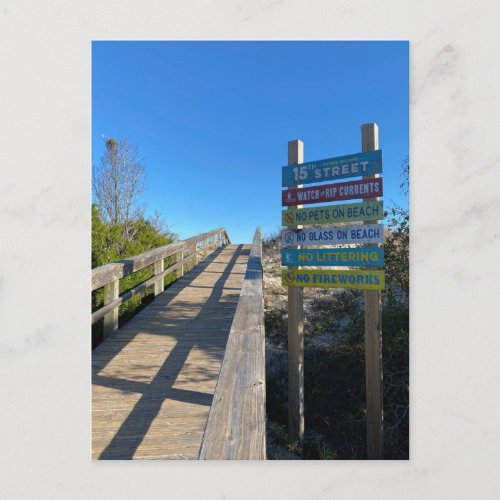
(181, 254)
(159, 268)
(111, 293)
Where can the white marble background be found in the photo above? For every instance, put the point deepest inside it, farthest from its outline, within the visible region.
(45, 163)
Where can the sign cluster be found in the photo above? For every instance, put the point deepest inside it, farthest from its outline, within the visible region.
(332, 223)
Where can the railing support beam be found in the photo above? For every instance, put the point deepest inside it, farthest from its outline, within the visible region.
(180, 258)
(159, 268)
(236, 426)
(111, 293)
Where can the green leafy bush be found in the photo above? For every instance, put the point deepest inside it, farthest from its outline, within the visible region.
(112, 242)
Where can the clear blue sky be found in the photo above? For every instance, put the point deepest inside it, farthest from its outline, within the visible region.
(211, 120)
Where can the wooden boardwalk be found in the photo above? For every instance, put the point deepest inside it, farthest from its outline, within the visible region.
(153, 380)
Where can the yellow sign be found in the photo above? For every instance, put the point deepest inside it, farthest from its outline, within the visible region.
(319, 278)
(331, 214)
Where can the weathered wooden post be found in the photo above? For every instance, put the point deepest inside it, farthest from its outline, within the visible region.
(373, 337)
(295, 333)
(159, 268)
(111, 293)
(181, 254)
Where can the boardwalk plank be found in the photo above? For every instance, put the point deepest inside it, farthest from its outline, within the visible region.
(154, 379)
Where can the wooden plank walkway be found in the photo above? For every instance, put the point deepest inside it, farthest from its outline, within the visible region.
(153, 380)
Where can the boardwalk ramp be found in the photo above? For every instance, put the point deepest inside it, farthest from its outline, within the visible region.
(154, 379)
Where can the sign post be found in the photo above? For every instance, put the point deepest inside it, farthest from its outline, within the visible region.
(295, 333)
(373, 337)
(361, 248)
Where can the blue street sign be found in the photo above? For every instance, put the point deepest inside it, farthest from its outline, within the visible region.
(331, 169)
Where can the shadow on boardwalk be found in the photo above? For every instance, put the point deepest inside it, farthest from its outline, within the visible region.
(191, 318)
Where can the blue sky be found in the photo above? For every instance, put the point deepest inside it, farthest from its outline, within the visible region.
(211, 120)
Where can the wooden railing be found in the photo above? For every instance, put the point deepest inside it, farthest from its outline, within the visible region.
(109, 275)
(236, 427)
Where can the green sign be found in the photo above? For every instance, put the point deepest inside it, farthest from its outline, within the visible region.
(328, 214)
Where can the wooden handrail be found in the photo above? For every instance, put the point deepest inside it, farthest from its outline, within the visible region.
(100, 313)
(104, 275)
(109, 275)
(236, 427)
